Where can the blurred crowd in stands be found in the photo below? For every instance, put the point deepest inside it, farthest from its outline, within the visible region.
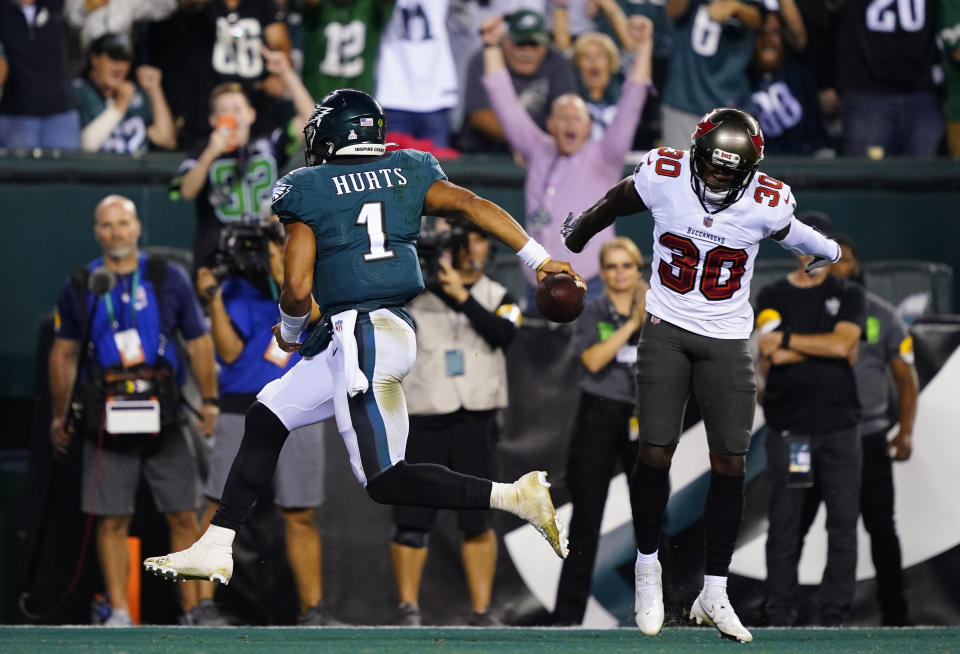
(824, 77)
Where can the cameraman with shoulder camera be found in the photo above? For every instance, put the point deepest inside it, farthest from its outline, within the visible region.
(464, 320)
(116, 321)
(243, 308)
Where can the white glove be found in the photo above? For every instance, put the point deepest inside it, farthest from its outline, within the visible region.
(820, 262)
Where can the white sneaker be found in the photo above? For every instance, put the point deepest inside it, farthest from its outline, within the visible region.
(202, 560)
(535, 506)
(718, 612)
(648, 598)
(119, 618)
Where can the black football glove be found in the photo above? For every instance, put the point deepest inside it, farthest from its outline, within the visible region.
(569, 225)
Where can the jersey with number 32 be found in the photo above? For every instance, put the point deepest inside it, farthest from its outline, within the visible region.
(366, 219)
(702, 261)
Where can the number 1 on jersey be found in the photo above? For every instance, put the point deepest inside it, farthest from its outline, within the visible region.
(371, 215)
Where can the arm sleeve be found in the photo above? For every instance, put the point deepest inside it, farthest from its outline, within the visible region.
(189, 315)
(523, 134)
(802, 239)
(96, 132)
(497, 331)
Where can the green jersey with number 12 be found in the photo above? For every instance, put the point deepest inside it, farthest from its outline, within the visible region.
(340, 44)
(366, 219)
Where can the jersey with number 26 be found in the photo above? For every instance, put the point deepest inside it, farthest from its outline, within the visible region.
(366, 219)
(702, 261)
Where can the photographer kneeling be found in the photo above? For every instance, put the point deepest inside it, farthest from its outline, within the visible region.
(464, 322)
(243, 308)
(115, 323)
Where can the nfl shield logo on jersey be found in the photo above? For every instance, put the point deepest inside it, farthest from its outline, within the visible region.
(707, 220)
(338, 326)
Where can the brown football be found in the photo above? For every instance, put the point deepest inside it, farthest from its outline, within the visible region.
(559, 298)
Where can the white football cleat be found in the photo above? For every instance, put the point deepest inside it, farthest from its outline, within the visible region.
(203, 560)
(535, 506)
(648, 598)
(718, 612)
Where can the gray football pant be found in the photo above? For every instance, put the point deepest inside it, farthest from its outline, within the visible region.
(672, 362)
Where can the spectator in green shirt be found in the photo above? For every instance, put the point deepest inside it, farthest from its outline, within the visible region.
(341, 39)
(116, 114)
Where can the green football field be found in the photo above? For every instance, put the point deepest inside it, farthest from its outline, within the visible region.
(379, 640)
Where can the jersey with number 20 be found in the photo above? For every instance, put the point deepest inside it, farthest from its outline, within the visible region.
(702, 261)
(366, 219)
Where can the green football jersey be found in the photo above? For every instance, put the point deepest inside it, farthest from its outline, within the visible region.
(340, 44)
(366, 217)
(130, 135)
(708, 66)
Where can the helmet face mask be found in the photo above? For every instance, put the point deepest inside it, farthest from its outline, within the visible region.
(726, 151)
(344, 123)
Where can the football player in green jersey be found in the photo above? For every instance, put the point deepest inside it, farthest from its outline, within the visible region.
(352, 217)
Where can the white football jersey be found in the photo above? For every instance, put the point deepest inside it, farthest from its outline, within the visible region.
(415, 67)
(702, 261)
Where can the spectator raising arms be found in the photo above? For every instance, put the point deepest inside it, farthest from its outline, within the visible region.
(597, 60)
(564, 168)
(116, 114)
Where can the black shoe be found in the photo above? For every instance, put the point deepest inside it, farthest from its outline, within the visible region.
(897, 621)
(780, 617)
(317, 616)
(832, 620)
(484, 619)
(408, 615)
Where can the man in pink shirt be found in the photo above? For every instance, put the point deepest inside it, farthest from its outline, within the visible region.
(565, 170)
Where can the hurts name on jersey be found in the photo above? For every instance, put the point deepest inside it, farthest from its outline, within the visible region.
(369, 180)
